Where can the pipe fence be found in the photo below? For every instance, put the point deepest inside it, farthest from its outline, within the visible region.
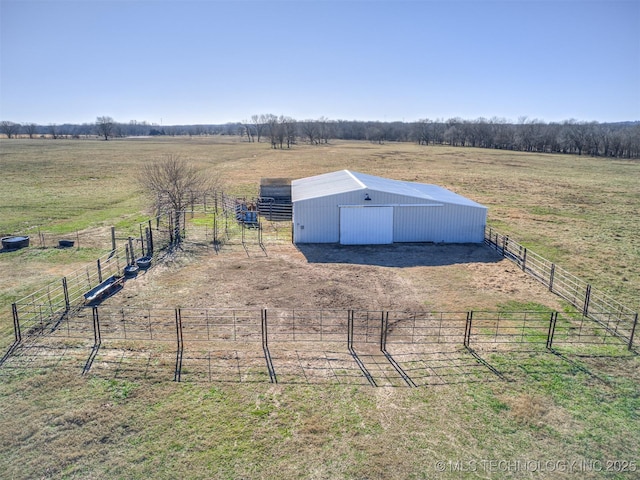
(191, 333)
(616, 318)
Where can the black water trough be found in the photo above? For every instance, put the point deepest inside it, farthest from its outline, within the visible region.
(143, 262)
(65, 243)
(14, 243)
(130, 271)
(103, 290)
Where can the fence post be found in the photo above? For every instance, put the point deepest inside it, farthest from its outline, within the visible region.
(180, 345)
(383, 331)
(552, 329)
(149, 233)
(265, 335)
(524, 260)
(133, 261)
(215, 228)
(16, 323)
(505, 241)
(633, 331)
(113, 239)
(184, 224)
(99, 271)
(551, 276)
(65, 289)
(97, 337)
(467, 329)
(587, 298)
(141, 240)
(349, 329)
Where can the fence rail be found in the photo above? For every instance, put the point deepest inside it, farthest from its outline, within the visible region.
(616, 318)
(384, 329)
(226, 336)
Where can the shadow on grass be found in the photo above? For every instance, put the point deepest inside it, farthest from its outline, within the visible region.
(286, 364)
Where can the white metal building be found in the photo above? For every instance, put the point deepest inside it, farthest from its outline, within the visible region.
(353, 208)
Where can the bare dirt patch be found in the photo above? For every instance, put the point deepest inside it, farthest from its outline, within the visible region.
(406, 277)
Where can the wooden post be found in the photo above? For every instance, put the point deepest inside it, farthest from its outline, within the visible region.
(133, 255)
(141, 240)
(113, 239)
(524, 260)
(551, 275)
(99, 271)
(149, 241)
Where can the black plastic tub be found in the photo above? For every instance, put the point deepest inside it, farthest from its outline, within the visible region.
(14, 243)
(143, 262)
(130, 271)
(66, 243)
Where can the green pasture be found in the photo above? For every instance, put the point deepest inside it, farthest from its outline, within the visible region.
(566, 415)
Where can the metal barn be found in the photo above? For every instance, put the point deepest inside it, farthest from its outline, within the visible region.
(353, 208)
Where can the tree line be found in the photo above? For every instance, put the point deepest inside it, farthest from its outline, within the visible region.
(614, 140)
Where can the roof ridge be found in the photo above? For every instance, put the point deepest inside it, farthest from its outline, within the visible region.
(350, 173)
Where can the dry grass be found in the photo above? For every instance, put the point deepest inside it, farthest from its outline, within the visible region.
(579, 212)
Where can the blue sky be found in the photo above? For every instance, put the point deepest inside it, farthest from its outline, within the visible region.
(215, 61)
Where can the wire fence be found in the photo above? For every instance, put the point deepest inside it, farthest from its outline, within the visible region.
(616, 318)
(376, 347)
(69, 309)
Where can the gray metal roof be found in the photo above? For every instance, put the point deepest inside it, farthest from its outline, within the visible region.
(344, 181)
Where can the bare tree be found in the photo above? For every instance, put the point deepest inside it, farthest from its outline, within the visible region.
(105, 127)
(324, 129)
(53, 130)
(10, 129)
(288, 129)
(172, 184)
(246, 129)
(259, 122)
(309, 130)
(30, 129)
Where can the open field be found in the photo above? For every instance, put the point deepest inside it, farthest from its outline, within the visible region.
(558, 415)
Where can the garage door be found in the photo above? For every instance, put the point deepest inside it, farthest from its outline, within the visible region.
(366, 225)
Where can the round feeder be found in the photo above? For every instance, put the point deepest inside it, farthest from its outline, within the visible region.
(130, 271)
(14, 243)
(66, 243)
(143, 262)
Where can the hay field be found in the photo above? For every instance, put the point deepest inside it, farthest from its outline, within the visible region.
(559, 416)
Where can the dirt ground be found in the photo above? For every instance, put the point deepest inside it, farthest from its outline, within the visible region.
(404, 277)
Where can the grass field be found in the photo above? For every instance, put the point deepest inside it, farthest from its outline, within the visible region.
(559, 416)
